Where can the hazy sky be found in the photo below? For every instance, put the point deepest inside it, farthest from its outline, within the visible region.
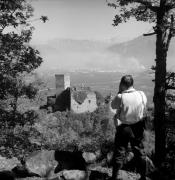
(81, 19)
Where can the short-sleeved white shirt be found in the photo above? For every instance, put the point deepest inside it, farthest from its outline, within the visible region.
(131, 104)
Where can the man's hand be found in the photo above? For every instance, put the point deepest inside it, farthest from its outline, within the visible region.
(117, 121)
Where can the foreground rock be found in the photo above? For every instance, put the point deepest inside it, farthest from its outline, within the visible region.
(123, 175)
(74, 175)
(96, 175)
(89, 157)
(8, 164)
(42, 163)
(69, 161)
(31, 178)
(70, 175)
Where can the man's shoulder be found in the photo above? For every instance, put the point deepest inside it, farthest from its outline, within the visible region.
(143, 96)
(142, 93)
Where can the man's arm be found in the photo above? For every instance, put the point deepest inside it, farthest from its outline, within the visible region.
(116, 102)
(144, 98)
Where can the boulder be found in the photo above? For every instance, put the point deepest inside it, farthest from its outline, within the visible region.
(74, 175)
(42, 163)
(96, 175)
(31, 178)
(7, 175)
(125, 175)
(109, 158)
(70, 175)
(89, 157)
(150, 168)
(22, 172)
(122, 175)
(8, 164)
(69, 161)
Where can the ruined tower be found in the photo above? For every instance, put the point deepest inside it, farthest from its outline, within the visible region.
(62, 82)
(63, 101)
(78, 99)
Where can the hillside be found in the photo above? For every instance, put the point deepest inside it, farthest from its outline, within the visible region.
(143, 49)
(132, 56)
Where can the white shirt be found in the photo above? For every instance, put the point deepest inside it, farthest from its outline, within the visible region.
(130, 105)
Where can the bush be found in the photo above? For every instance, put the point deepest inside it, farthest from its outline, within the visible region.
(86, 131)
(16, 141)
(15, 133)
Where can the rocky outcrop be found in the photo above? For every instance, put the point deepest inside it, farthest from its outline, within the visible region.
(42, 163)
(74, 175)
(89, 157)
(8, 164)
(64, 165)
(10, 169)
(106, 173)
(69, 160)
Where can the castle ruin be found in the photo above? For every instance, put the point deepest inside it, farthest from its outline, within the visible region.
(77, 99)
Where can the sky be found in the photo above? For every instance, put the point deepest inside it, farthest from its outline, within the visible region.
(79, 34)
(81, 19)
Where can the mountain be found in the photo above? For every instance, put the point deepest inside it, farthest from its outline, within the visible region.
(136, 55)
(143, 49)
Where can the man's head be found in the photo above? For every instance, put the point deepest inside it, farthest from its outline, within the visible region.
(126, 82)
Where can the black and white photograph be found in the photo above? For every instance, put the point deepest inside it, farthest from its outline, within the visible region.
(87, 89)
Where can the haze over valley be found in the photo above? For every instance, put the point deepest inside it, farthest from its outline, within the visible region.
(100, 64)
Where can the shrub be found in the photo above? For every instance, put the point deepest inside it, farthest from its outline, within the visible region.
(86, 131)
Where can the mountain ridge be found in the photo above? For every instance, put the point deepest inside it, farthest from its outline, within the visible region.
(70, 54)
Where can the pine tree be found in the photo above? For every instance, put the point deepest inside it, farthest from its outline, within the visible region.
(161, 13)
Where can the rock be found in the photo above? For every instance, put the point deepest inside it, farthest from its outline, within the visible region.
(74, 175)
(71, 175)
(125, 175)
(22, 172)
(69, 161)
(102, 170)
(96, 175)
(150, 168)
(42, 163)
(8, 164)
(7, 175)
(109, 158)
(129, 157)
(89, 157)
(31, 178)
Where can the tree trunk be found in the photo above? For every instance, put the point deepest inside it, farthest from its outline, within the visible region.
(159, 91)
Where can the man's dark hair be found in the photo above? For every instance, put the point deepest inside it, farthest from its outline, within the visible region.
(127, 81)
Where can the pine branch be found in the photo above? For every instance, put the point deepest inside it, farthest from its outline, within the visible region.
(147, 4)
(170, 6)
(169, 87)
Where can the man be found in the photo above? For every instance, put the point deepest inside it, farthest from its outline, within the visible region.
(129, 104)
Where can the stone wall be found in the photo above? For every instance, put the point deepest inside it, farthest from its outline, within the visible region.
(62, 82)
(78, 99)
(88, 105)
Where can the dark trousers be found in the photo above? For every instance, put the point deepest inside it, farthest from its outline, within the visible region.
(132, 134)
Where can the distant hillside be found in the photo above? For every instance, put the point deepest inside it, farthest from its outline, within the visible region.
(136, 55)
(143, 49)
